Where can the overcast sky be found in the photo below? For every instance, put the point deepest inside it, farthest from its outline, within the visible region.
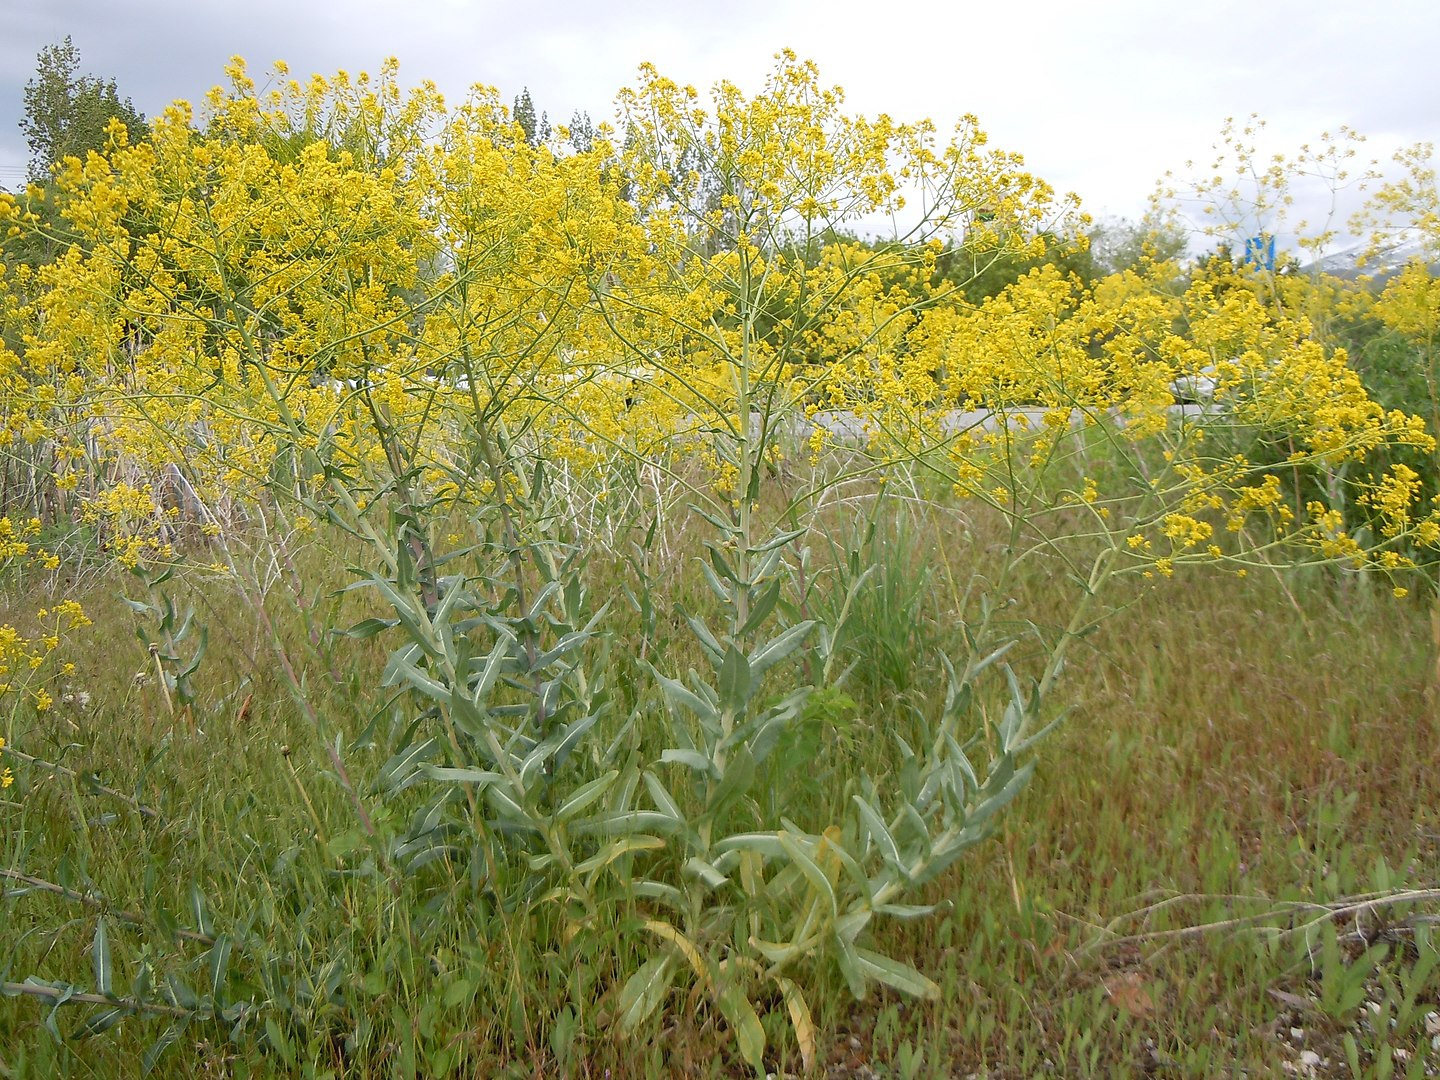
(1101, 97)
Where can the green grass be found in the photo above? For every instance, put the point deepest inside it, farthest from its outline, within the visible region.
(1234, 747)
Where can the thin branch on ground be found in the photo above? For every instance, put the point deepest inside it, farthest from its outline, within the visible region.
(40, 763)
(95, 901)
(65, 995)
(1355, 906)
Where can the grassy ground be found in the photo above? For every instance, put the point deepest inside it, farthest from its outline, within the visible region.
(1207, 876)
(1230, 753)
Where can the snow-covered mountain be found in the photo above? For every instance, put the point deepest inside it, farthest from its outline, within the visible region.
(1346, 263)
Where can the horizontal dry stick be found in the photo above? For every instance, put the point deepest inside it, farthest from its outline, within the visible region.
(144, 811)
(1176, 900)
(10, 989)
(93, 900)
(1365, 904)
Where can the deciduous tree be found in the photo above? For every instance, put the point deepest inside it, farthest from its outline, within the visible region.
(67, 113)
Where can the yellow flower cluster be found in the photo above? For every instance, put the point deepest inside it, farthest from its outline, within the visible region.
(1393, 496)
(338, 292)
(23, 656)
(14, 540)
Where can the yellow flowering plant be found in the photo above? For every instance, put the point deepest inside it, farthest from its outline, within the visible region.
(1374, 324)
(485, 358)
(1402, 223)
(31, 657)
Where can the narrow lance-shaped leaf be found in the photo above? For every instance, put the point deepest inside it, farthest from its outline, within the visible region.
(778, 648)
(461, 776)
(100, 953)
(699, 868)
(735, 681)
(586, 795)
(717, 586)
(400, 771)
(157, 1049)
(778, 541)
(800, 1021)
(762, 607)
(708, 641)
(879, 832)
(219, 968)
(197, 908)
(691, 759)
(617, 849)
(745, 1025)
(660, 794)
(666, 932)
(678, 695)
(628, 822)
(102, 1021)
(794, 848)
(739, 776)
(896, 975)
(721, 562)
(367, 628)
(645, 990)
